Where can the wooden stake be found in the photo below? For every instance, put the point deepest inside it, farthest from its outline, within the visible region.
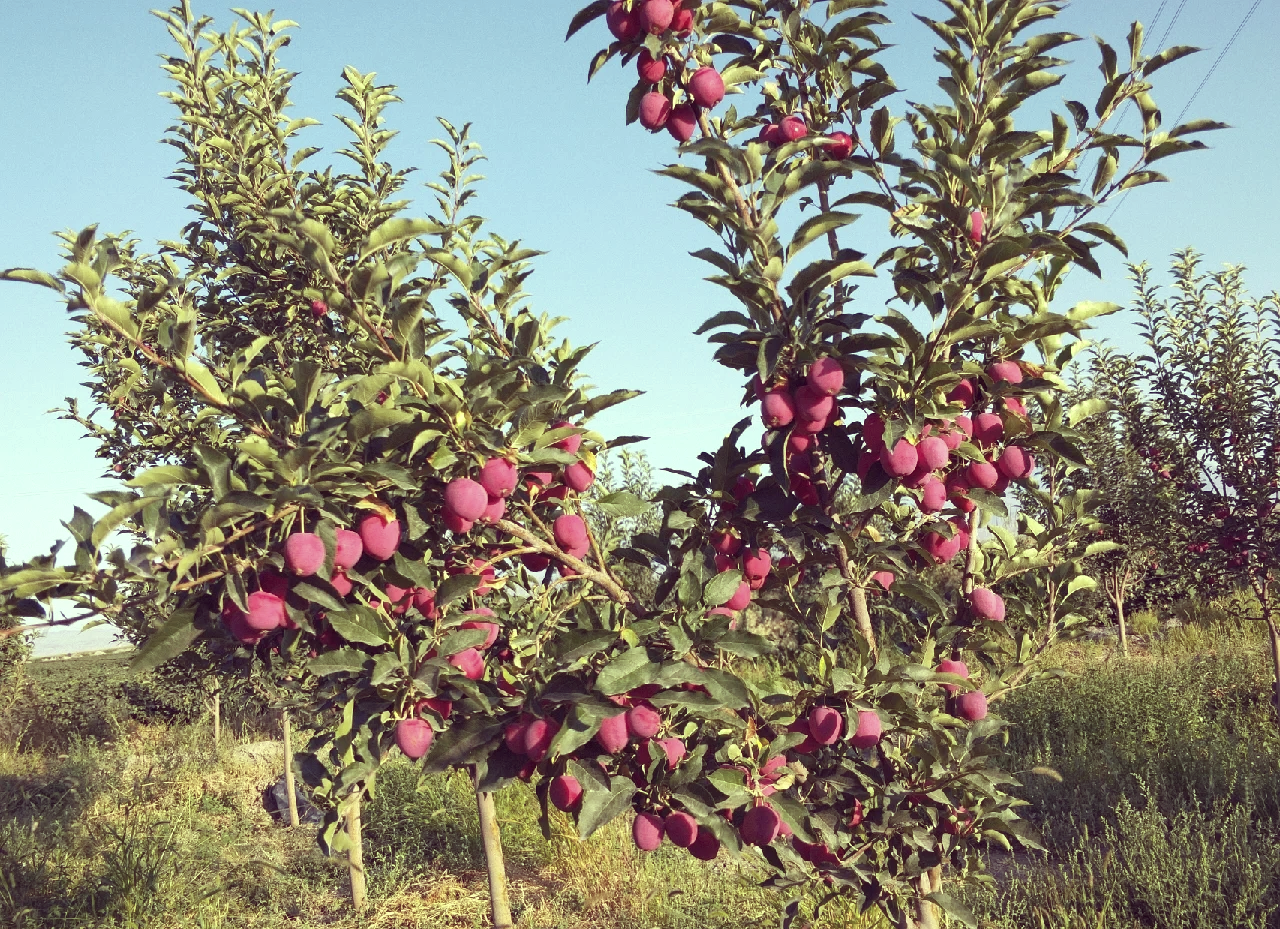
(288, 769)
(491, 838)
(355, 854)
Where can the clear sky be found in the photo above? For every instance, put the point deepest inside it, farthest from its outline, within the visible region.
(81, 120)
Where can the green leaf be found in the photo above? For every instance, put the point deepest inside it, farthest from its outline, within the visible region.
(627, 671)
(359, 625)
(397, 230)
(816, 227)
(170, 640)
(342, 661)
(585, 15)
(1086, 408)
(600, 807)
(32, 276)
(455, 588)
(201, 375)
(954, 908)
(721, 587)
(624, 504)
(109, 523)
(163, 476)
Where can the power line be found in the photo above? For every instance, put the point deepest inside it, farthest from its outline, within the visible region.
(1235, 36)
(1173, 22)
(1221, 55)
(1160, 9)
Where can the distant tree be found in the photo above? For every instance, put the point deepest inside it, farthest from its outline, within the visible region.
(1138, 503)
(1207, 415)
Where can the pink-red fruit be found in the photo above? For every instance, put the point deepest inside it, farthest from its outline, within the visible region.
(538, 736)
(706, 87)
(901, 460)
(934, 453)
(571, 534)
(682, 122)
(681, 829)
(651, 69)
(266, 611)
(756, 563)
(303, 553)
(826, 376)
(793, 128)
(884, 578)
(972, 706)
(948, 666)
(623, 23)
(981, 474)
(741, 598)
(706, 846)
(565, 793)
(643, 721)
(498, 477)
(414, 736)
(1016, 463)
(825, 725)
(612, 737)
(987, 605)
(379, 536)
(869, 730)
(977, 226)
(812, 406)
(578, 476)
(348, 549)
(840, 147)
(655, 110)
(470, 662)
(777, 409)
(761, 825)
(647, 831)
(1005, 371)
(465, 499)
(656, 16)
(988, 428)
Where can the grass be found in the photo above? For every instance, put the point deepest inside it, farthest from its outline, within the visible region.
(1166, 814)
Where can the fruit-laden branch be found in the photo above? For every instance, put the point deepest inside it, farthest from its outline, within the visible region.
(612, 587)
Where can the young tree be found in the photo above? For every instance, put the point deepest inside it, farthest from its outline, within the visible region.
(1211, 384)
(286, 372)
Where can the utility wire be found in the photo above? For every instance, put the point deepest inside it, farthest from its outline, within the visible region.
(1173, 22)
(1235, 37)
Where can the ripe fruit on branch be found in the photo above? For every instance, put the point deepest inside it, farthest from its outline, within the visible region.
(706, 846)
(682, 122)
(466, 499)
(538, 736)
(760, 825)
(656, 15)
(647, 831)
(655, 110)
(319, 308)
(234, 619)
(826, 725)
(682, 22)
(741, 598)
(757, 563)
(457, 525)
(873, 432)
(934, 497)
(498, 477)
(470, 662)
(571, 534)
(578, 476)
(643, 721)
(414, 736)
(962, 393)
(869, 730)
(651, 69)
(1005, 371)
(977, 226)
(612, 737)
(443, 707)
(348, 549)
(303, 553)
(565, 793)
(681, 829)
(793, 128)
(706, 87)
(840, 147)
(1016, 463)
(901, 460)
(491, 629)
(379, 536)
(496, 509)
(266, 611)
(812, 405)
(672, 749)
(341, 583)
(743, 487)
(988, 429)
(1016, 406)
(826, 376)
(948, 666)
(934, 453)
(972, 706)
(777, 409)
(623, 23)
(513, 734)
(884, 578)
(726, 543)
(981, 474)
(987, 604)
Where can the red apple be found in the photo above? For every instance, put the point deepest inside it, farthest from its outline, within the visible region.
(706, 87)
(379, 536)
(655, 110)
(266, 611)
(565, 793)
(972, 706)
(571, 534)
(840, 147)
(348, 549)
(987, 604)
(465, 499)
(498, 477)
(826, 725)
(414, 736)
(869, 730)
(656, 15)
(651, 69)
(681, 829)
(623, 23)
(647, 831)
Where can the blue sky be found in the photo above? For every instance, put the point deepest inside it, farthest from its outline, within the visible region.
(82, 121)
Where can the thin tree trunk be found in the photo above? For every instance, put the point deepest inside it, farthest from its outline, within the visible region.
(491, 838)
(355, 854)
(288, 769)
(217, 718)
(862, 617)
(926, 912)
(1124, 632)
(1274, 629)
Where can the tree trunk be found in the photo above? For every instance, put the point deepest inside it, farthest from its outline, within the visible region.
(217, 718)
(1118, 602)
(862, 617)
(491, 838)
(288, 769)
(355, 854)
(1274, 629)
